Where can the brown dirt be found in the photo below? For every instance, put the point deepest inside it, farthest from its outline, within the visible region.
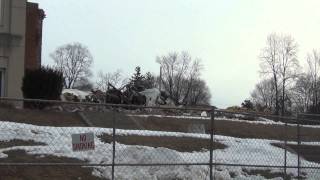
(264, 131)
(222, 127)
(169, 123)
(179, 144)
(105, 119)
(308, 152)
(43, 172)
(6, 144)
(41, 118)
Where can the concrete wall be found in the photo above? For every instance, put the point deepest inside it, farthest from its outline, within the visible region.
(4, 16)
(12, 46)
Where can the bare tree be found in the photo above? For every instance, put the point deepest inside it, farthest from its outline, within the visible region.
(270, 64)
(313, 60)
(83, 84)
(179, 74)
(199, 93)
(288, 64)
(279, 60)
(264, 94)
(301, 93)
(74, 61)
(115, 78)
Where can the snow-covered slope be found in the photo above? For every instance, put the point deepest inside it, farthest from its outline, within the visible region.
(242, 151)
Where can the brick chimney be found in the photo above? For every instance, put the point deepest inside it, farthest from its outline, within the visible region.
(33, 46)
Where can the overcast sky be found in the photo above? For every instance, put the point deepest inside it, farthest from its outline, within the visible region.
(227, 35)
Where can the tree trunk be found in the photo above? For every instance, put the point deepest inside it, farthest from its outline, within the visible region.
(283, 94)
(277, 94)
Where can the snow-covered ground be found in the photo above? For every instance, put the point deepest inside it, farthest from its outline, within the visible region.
(240, 151)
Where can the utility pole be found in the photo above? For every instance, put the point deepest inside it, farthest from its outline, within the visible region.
(160, 80)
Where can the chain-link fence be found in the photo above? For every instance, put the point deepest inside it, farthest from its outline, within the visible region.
(109, 141)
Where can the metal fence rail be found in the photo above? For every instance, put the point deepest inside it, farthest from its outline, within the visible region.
(215, 141)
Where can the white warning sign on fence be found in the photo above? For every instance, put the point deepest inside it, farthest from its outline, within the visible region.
(83, 142)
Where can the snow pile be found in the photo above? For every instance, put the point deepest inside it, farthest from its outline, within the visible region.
(152, 96)
(240, 151)
(204, 114)
(81, 95)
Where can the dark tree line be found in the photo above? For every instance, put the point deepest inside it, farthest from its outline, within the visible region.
(44, 83)
(141, 82)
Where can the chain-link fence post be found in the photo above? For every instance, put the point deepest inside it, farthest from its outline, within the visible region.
(285, 147)
(299, 144)
(211, 142)
(113, 141)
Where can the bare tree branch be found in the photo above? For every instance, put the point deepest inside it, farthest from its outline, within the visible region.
(74, 61)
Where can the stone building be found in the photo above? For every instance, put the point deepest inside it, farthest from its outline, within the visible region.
(20, 43)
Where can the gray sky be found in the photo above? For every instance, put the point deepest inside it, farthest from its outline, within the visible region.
(227, 35)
